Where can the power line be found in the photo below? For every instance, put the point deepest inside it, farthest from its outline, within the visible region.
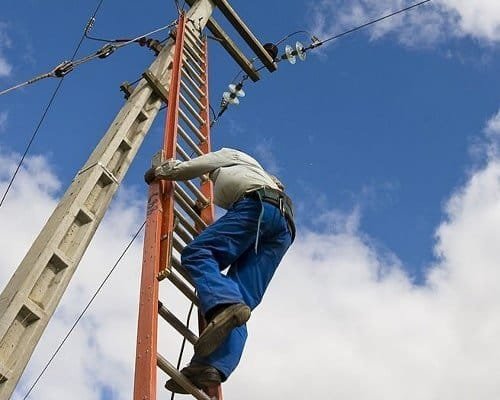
(84, 310)
(67, 66)
(45, 112)
(367, 24)
(316, 43)
(293, 34)
(177, 7)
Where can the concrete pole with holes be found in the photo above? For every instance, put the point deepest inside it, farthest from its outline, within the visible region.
(30, 298)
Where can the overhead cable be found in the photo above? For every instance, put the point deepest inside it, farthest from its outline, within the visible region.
(83, 311)
(293, 34)
(45, 112)
(314, 45)
(67, 66)
(301, 50)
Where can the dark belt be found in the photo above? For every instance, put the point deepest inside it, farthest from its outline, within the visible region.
(278, 199)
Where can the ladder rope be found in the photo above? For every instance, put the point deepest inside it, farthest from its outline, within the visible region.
(184, 340)
(84, 311)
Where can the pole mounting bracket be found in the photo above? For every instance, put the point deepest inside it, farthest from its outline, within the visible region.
(158, 88)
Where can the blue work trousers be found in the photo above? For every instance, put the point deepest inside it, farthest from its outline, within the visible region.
(230, 242)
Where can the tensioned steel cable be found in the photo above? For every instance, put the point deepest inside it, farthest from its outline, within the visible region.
(67, 66)
(316, 43)
(84, 310)
(45, 112)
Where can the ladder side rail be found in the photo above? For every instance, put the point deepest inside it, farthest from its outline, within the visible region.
(170, 142)
(157, 246)
(207, 213)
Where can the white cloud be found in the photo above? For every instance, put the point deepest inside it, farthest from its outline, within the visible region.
(265, 154)
(492, 131)
(493, 125)
(427, 24)
(5, 43)
(340, 319)
(479, 18)
(3, 120)
(343, 322)
(101, 350)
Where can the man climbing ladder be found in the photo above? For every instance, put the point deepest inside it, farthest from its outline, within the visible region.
(250, 239)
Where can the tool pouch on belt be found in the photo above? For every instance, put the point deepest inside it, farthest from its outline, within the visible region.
(278, 199)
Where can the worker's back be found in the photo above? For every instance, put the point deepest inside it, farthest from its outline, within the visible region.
(241, 175)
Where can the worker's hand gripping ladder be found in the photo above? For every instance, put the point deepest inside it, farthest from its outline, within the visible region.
(176, 212)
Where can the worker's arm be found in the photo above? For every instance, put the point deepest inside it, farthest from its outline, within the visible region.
(185, 170)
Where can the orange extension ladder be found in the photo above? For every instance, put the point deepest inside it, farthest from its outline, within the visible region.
(176, 212)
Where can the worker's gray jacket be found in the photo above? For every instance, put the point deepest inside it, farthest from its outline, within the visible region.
(233, 172)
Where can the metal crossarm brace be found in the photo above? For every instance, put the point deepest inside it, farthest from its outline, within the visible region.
(231, 47)
(246, 34)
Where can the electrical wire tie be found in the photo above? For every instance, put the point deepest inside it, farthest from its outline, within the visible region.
(90, 25)
(63, 69)
(106, 51)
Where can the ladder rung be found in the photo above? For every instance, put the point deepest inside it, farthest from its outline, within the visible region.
(189, 70)
(192, 96)
(188, 208)
(182, 153)
(185, 223)
(187, 138)
(179, 284)
(186, 200)
(188, 58)
(197, 62)
(194, 85)
(179, 189)
(195, 56)
(168, 316)
(170, 370)
(176, 264)
(193, 49)
(194, 45)
(177, 245)
(183, 234)
(186, 157)
(193, 35)
(191, 109)
(191, 125)
(197, 192)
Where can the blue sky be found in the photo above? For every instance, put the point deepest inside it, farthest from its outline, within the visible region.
(374, 135)
(367, 123)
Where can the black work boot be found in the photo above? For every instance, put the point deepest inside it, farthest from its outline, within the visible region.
(219, 327)
(200, 375)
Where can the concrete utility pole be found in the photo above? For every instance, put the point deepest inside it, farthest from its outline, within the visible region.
(34, 291)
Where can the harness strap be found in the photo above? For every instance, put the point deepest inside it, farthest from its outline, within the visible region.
(279, 200)
(261, 215)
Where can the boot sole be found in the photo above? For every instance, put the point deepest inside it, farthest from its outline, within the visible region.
(202, 381)
(218, 329)
(174, 387)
